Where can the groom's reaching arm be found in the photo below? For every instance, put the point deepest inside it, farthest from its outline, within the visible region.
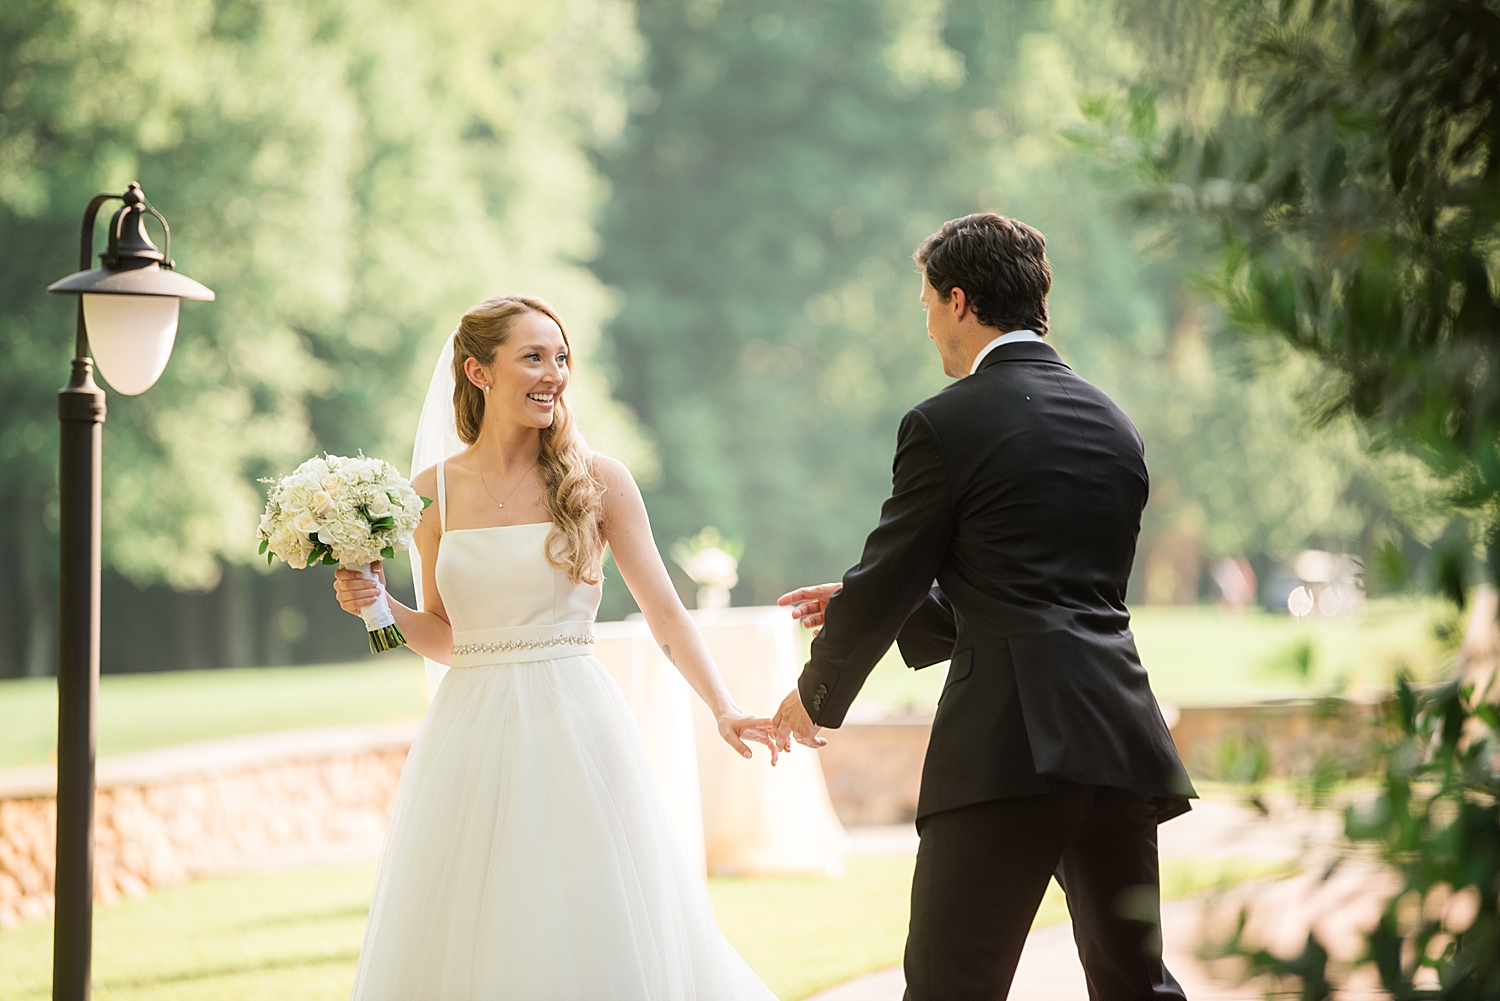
(901, 558)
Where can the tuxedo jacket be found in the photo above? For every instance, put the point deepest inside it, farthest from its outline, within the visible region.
(1019, 490)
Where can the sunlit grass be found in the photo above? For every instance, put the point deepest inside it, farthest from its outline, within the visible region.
(1195, 655)
(141, 711)
(297, 934)
(1198, 655)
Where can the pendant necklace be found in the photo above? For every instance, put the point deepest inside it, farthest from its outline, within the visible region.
(512, 489)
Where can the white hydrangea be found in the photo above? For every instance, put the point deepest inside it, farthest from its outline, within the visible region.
(342, 510)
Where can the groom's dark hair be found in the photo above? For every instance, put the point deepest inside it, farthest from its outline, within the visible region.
(1001, 264)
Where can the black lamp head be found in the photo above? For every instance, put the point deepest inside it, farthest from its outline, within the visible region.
(129, 244)
(131, 264)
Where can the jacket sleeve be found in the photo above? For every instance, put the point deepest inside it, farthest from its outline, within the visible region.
(930, 632)
(901, 559)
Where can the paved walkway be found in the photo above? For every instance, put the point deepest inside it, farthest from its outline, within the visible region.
(1049, 969)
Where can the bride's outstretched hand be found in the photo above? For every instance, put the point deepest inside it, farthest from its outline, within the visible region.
(737, 728)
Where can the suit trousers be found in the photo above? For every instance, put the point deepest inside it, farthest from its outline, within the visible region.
(981, 872)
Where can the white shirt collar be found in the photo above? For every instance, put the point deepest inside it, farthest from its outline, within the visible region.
(1014, 337)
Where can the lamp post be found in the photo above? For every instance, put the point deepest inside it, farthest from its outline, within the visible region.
(129, 304)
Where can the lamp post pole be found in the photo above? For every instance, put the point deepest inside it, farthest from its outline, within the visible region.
(80, 411)
(132, 267)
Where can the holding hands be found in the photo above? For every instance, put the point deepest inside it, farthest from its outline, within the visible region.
(736, 728)
(791, 720)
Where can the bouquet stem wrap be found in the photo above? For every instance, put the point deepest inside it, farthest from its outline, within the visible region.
(384, 633)
(344, 512)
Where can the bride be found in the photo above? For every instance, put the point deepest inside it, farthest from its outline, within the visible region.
(529, 854)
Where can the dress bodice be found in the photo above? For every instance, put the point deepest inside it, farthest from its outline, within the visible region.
(499, 577)
(504, 598)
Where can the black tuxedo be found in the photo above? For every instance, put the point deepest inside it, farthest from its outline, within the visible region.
(1019, 489)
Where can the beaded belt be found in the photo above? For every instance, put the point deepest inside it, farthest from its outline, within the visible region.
(518, 644)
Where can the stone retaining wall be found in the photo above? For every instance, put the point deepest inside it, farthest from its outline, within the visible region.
(164, 816)
(284, 799)
(873, 765)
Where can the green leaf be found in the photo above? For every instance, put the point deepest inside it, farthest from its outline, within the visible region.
(264, 545)
(426, 503)
(388, 553)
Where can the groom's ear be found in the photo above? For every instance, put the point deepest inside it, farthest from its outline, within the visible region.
(958, 299)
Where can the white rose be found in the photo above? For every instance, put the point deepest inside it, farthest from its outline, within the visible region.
(305, 522)
(331, 482)
(380, 505)
(322, 502)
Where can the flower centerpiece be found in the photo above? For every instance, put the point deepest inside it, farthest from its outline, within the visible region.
(712, 561)
(344, 512)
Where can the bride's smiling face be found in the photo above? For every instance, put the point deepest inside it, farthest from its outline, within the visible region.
(527, 376)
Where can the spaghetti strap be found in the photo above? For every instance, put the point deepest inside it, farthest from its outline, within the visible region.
(442, 499)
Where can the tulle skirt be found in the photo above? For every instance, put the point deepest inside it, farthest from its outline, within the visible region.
(530, 856)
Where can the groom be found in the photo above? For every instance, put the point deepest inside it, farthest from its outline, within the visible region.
(1019, 489)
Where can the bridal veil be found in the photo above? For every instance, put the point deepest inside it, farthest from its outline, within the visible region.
(437, 439)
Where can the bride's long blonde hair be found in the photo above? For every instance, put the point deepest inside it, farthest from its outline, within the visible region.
(573, 494)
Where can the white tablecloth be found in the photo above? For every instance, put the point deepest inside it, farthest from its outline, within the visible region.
(753, 820)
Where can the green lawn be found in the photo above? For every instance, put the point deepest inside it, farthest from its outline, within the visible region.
(141, 711)
(297, 934)
(1196, 656)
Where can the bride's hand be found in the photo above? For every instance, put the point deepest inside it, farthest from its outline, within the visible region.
(355, 591)
(737, 727)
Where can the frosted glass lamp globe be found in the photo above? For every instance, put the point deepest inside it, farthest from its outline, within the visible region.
(131, 337)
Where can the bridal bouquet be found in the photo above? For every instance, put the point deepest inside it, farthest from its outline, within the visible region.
(349, 512)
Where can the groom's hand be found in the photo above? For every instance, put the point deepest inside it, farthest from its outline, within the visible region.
(809, 603)
(791, 720)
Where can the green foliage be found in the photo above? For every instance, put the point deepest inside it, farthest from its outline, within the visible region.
(1298, 659)
(781, 161)
(1351, 186)
(348, 175)
(779, 165)
(746, 181)
(1436, 824)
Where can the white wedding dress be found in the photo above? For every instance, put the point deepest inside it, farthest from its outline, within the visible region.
(530, 855)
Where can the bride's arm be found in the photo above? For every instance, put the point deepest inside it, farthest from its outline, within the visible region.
(627, 530)
(427, 632)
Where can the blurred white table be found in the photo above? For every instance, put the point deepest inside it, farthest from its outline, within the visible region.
(753, 820)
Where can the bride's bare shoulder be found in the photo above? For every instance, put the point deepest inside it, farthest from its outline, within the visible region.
(613, 474)
(618, 491)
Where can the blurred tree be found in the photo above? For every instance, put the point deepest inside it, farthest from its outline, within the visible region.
(349, 175)
(1349, 179)
(781, 162)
